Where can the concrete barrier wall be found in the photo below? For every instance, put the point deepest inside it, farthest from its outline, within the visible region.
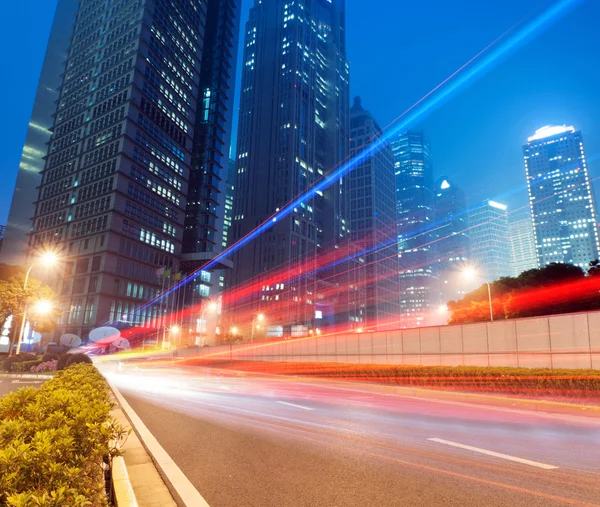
(560, 341)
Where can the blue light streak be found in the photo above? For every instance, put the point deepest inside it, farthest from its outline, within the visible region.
(467, 77)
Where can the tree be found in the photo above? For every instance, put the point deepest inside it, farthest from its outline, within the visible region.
(13, 299)
(545, 291)
(594, 269)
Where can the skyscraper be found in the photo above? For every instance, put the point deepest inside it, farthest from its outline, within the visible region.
(414, 199)
(373, 221)
(129, 141)
(2, 233)
(490, 250)
(561, 197)
(293, 128)
(29, 178)
(522, 245)
(453, 241)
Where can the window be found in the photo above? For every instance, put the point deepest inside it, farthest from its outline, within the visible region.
(82, 266)
(96, 263)
(79, 286)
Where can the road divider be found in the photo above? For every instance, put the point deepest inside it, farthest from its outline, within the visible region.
(494, 454)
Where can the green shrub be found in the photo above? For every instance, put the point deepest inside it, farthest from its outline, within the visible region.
(62, 362)
(50, 357)
(54, 441)
(78, 358)
(25, 366)
(10, 361)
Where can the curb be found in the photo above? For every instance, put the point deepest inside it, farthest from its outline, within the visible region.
(554, 407)
(123, 495)
(164, 468)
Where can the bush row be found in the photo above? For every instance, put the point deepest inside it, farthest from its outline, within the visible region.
(26, 362)
(55, 441)
(540, 381)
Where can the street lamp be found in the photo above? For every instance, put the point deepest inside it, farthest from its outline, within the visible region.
(47, 259)
(260, 318)
(212, 307)
(471, 273)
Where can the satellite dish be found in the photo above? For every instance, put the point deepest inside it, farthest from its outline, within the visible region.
(70, 340)
(105, 335)
(121, 344)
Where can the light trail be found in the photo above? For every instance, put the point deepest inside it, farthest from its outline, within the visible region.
(284, 276)
(488, 58)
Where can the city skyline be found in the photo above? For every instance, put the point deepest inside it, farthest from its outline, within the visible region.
(515, 122)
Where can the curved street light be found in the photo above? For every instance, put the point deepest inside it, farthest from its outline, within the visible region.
(260, 318)
(471, 273)
(47, 259)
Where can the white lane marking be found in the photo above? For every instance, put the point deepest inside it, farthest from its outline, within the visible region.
(185, 489)
(294, 405)
(495, 454)
(27, 381)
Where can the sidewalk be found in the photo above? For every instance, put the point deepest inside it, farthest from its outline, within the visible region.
(137, 481)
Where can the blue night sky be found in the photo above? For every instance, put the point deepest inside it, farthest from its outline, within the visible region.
(398, 51)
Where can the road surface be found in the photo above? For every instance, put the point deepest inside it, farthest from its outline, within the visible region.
(10, 383)
(254, 440)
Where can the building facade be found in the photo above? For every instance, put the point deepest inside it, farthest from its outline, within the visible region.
(488, 230)
(373, 222)
(129, 143)
(293, 129)
(452, 240)
(522, 245)
(561, 197)
(35, 149)
(416, 236)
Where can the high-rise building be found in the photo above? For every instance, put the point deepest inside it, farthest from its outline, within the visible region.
(228, 214)
(2, 233)
(414, 200)
(453, 241)
(490, 250)
(140, 121)
(522, 245)
(561, 197)
(29, 176)
(293, 128)
(373, 221)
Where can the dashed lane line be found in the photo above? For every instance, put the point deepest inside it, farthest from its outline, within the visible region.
(494, 454)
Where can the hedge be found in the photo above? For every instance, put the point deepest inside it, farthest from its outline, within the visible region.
(25, 366)
(55, 441)
(579, 384)
(9, 362)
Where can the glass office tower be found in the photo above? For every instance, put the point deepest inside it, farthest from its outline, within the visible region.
(135, 155)
(373, 222)
(416, 235)
(561, 197)
(293, 128)
(489, 232)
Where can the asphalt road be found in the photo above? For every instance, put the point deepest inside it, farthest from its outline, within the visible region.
(9, 384)
(247, 440)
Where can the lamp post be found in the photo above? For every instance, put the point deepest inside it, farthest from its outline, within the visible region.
(260, 318)
(48, 260)
(472, 273)
(212, 308)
